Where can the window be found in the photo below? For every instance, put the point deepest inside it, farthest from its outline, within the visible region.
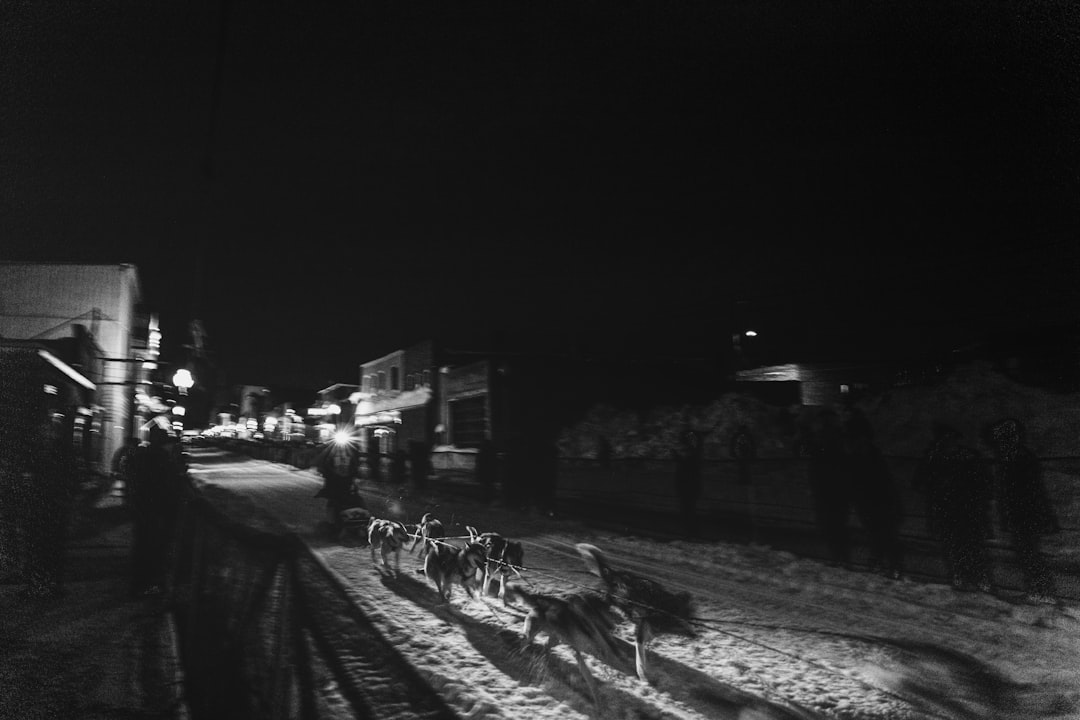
(382, 380)
(468, 420)
(395, 379)
(410, 381)
(427, 377)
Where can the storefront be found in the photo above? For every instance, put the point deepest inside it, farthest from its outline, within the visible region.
(38, 388)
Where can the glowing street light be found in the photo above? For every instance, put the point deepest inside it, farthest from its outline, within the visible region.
(182, 379)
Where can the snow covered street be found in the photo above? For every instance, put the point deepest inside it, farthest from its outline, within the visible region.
(776, 636)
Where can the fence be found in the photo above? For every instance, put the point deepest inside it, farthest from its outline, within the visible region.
(771, 491)
(267, 631)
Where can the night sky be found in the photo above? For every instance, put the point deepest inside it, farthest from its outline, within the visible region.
(326, 182)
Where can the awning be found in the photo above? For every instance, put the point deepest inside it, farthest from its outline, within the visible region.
(66, 369)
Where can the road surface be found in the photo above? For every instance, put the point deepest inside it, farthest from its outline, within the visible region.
(776, 636)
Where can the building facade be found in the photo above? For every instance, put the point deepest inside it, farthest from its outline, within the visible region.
(395, 408)
(38, 387)
(465, 404)
(48, 301)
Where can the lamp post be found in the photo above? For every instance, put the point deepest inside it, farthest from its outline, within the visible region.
(183, 381)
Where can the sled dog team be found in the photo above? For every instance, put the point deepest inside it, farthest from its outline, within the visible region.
(584, 620)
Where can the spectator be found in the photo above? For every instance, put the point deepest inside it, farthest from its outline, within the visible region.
(338, 463)
(743, 450)
(688, 477)
(956, 485)
(823, 445)
(154, 502)
(874, 494)
(1024, 506)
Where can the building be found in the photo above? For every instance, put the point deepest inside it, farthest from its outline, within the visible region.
(38, 387)
(816, 383)
(466, 404)
(395, 403)
(47, 302)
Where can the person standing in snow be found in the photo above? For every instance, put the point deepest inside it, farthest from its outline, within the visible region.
(823, 445)
(338, 463)
(155, 498)
(688, 477)
(743, 451)
(1024, 506)
(956, 484)
(874, 495)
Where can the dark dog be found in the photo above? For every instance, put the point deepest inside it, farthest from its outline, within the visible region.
(646, 603)
(429, 528)
(503, 557)
(582, 620)
(449, 565)
(386, 537)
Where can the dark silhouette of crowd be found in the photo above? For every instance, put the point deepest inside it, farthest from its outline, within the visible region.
(875, 495)
(1026, 512)
(957, 489)
(848, 475)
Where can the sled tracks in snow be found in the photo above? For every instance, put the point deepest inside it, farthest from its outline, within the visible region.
(267, 630)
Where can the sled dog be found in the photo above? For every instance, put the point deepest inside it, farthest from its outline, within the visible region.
(429, 528)
(449, 565)
(646, 603)
(504, 556)
(584, 621)
(386, 537)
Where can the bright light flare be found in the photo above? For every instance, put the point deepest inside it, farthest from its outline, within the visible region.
(342, 437)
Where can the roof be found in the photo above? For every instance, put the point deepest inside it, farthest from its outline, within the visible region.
(816, 372)
(335, 386)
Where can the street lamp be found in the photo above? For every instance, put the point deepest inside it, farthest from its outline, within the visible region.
(183, 381)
